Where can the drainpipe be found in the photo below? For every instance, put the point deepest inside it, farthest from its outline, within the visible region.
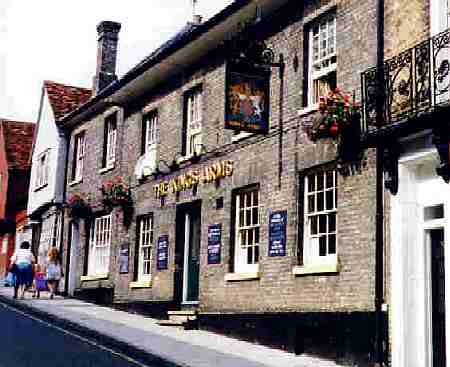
(379, 229)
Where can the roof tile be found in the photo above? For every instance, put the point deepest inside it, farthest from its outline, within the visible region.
(18, 142)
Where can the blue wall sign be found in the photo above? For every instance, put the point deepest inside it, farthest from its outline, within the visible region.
(214, 243)
(162, 252)
(277, 233)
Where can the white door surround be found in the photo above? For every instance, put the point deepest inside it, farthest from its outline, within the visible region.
(419, 187)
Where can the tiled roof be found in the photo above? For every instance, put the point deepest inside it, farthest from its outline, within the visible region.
(18, 141)
(65, 98)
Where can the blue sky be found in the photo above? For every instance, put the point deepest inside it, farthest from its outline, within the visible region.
(56, 40)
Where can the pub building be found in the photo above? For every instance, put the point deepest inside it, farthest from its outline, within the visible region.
(204, 184)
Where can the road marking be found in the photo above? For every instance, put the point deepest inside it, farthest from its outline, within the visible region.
(85, 340)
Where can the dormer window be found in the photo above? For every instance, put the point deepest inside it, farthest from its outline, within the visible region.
(192, 132)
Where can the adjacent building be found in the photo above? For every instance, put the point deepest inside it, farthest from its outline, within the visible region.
(48, 165)
(15, 146)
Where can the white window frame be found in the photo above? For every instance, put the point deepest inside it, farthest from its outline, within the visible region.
(246, 225)
(42, 169)
(79, 156)
(322, 62)
(194, 115)
(151, 131)
(145, 243)
(100, 246)
(111, 139)
(311, 244)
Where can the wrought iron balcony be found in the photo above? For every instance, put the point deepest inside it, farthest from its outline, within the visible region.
(415, 81)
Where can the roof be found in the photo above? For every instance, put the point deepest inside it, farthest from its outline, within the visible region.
(18, 141)
(65, 98)
(181, 39)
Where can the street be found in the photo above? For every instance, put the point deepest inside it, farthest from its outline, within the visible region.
(28, 342)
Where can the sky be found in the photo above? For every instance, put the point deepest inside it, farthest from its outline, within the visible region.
(57, 40)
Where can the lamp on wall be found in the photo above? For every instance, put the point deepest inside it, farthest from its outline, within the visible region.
(197, 153)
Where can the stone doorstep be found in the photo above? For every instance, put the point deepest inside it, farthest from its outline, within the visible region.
(183, 312)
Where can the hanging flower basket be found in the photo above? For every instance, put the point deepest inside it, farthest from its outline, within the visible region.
(335, 114)
(116, 193)
(79, 206)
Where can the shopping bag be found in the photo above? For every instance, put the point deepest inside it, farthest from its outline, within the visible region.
(40, 282)
(10, 280)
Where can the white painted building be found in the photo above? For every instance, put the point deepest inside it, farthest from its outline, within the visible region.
(48, 169)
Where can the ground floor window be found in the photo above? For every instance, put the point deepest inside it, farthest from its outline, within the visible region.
(320, 217)
(247, 230)
(145, 246)
(99, 246)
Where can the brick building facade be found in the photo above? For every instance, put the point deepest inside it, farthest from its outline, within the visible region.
(318, 294)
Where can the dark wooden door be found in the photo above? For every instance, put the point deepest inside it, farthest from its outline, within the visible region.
(193, 260)
(438, 297)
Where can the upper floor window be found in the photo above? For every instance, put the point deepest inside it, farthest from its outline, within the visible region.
(145, 247)
(322, 58)
(320, 217)
(150, 132)
(77, 168)
(247, 233)
(192, 133)
(109, 147)
(42, 169)
(99, 246)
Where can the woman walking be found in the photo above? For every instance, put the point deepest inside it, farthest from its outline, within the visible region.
(22, 261)
(54, 271)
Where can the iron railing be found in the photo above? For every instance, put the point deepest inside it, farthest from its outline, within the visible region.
(416, 80)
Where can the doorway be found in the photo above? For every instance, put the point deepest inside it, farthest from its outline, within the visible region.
(435, 238)
(187, 253)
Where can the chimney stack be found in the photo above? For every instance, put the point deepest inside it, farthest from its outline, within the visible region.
(108, 36)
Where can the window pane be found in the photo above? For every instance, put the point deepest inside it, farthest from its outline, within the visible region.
(249, 199)
(249, 255)
(320, 201)
(311, 204)
(332, 244)
(332, 222)
(256, 249)
(329, 199)
(329, 179)
(241, 218)
(248, 217)
(241, 200)
(323, 223)
(257, 235)
(255, 215)
(250, 237)
(323, 245)
(313, 221)
(320, 182)
(243, 238)
(311, 183)
(255, 198)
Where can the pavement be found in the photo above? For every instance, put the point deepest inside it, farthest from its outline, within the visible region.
(150, 343)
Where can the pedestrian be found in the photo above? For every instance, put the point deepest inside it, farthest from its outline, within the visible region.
(39, 281)
(54, 271)
(22, 264)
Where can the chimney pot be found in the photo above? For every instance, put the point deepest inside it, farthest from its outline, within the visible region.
(197, 19)
(108, 36)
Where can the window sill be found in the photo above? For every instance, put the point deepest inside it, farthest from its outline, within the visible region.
(40, 187)
(308, 110)
(88, 278)
(144, 283)
(316, 269)
(241, 136)
(106, 169)
(236, 277)
(76, 182)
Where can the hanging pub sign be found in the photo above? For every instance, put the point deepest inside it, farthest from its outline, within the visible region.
(214, 243)
(162, 252)
(247, 97)
(277, 233)
(124, 256)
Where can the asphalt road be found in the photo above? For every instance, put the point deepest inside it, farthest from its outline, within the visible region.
(26, 342)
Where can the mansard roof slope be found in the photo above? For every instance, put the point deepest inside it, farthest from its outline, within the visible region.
(65, 98)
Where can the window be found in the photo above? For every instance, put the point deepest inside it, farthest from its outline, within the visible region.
(247, 225)
(77, 171)
(192, 139)
(322, 59)
(320, 210)
(109, 148)
(99, 246)
(145, 247)
(42, 170)
(150, 132)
